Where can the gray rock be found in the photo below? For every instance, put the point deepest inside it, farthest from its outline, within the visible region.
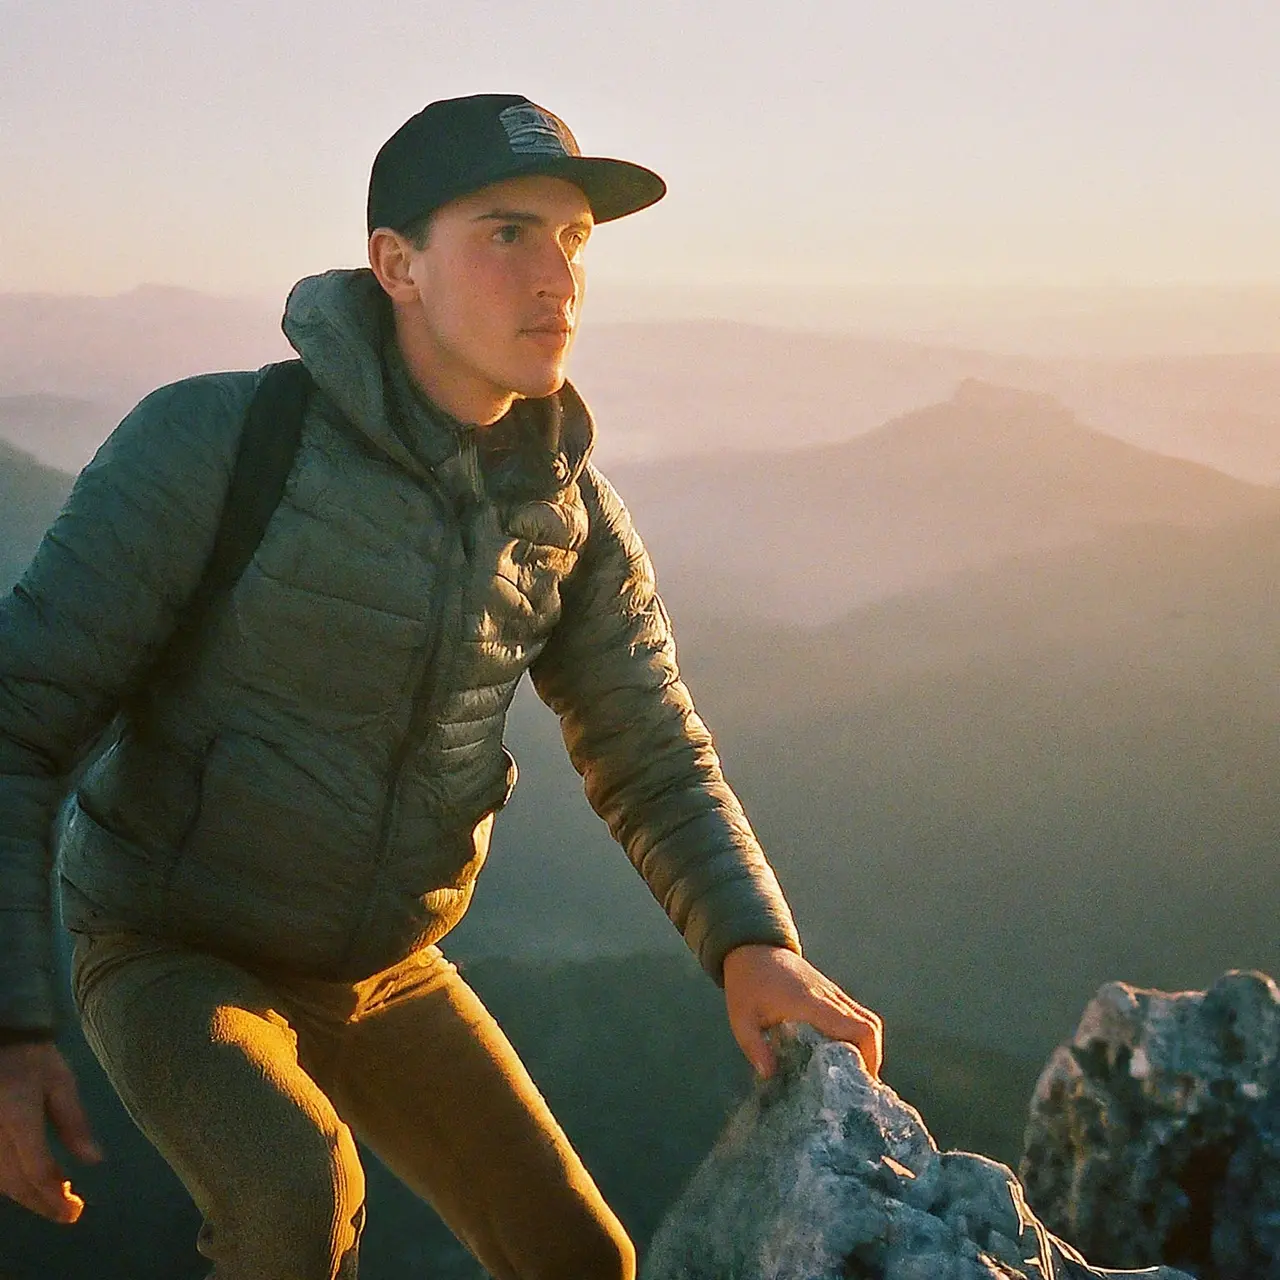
(1155, 1133)
(826, 1174)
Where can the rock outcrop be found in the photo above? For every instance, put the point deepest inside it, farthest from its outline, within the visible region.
(825, 1174)
(1155, 1133)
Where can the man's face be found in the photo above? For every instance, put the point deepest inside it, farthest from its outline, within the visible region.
(500, 282)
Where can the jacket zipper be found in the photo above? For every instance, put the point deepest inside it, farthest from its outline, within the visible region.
(430, 688)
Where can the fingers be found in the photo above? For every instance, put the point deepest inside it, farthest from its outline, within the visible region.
(71, 1205)
(34, 1083)
(862, 1029)
(748, 1031)
(830, 1010)
(32, 1177)
(768, 985)
(68, 1117)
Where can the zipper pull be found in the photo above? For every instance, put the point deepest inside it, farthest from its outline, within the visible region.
(472, 495)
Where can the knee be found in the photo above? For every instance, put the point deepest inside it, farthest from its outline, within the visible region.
(615, 1257)
(606, 1253)
(319, 1213)
(301, 1220)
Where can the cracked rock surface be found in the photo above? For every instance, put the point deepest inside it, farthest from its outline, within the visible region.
(826, 1174)
(1155, 1133)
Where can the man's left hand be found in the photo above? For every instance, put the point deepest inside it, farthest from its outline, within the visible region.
(765, 985)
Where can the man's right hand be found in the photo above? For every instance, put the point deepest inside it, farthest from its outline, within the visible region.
(36, 1086)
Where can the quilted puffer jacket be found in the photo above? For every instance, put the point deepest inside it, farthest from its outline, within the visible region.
(315, 791)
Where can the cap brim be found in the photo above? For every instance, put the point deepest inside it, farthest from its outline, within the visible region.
(614, 188)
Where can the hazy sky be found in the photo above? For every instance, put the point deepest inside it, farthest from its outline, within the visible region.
(226, 144)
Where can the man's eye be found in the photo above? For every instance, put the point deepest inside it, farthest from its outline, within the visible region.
(508, 233)
(574, 243)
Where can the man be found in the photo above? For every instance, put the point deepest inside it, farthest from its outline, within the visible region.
(258, 868)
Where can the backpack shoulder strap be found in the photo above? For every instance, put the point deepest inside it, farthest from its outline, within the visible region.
(269, 439)
(269, 436)
(268, 445)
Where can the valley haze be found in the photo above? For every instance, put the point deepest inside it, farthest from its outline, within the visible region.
(1006, 622)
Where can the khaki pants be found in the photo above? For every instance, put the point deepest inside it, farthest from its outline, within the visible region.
(251, 1089)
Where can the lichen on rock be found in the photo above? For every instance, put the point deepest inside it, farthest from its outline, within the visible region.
(824, 1173)
(1155, 1133)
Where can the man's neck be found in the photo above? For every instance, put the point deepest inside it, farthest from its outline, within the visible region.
(457, 395)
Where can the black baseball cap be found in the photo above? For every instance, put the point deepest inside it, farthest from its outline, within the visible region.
(458, 145)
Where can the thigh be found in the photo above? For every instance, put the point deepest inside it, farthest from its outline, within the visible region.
(208, 1068)
(427, 1078)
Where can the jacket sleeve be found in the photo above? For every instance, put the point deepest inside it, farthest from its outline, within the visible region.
(84, 624)
(648, 762)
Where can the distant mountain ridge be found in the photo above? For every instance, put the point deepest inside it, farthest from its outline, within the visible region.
(1223, 410)
(672, 388)
(992, 473)
(31, 495)
(709, 386)
(63, 430)
(114, 350)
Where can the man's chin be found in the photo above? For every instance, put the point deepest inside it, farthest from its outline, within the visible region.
(535, 387)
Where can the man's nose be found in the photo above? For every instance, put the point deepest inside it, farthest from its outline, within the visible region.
(556, 277)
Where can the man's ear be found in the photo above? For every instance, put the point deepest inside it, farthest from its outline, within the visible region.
(391, 257)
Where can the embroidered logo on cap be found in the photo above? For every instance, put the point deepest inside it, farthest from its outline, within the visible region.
(534, 132)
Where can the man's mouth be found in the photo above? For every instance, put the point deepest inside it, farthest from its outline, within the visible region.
(555, 334)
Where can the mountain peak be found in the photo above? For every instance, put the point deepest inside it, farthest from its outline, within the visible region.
(977, 393)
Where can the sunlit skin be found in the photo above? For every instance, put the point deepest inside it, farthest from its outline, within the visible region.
(485, 313)
(36, 1086)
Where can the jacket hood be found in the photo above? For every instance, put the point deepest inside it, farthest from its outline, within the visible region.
(339, 323)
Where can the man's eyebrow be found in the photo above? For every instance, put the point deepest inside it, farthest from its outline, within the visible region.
(509, 215)
(525, 216)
